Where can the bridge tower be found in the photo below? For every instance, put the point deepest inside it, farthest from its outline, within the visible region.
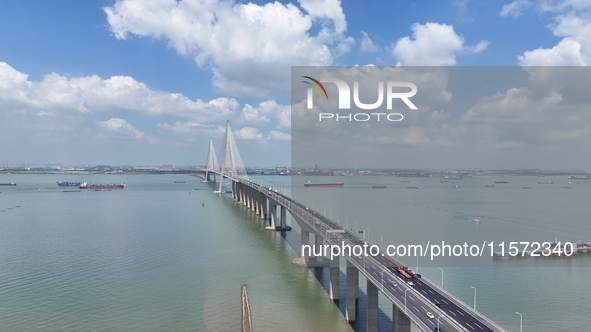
(212, 162)
(232, 165)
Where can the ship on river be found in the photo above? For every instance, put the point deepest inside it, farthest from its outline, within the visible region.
(101, 186)
(310, 184)
(68, 184)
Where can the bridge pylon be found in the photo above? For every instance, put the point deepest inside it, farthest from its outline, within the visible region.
(232, 165)
(211, 166)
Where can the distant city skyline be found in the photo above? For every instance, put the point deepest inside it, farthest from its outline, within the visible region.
(147, 83)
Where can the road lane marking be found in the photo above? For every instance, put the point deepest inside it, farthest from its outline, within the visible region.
(478, 326)
(416, 308)
(444, 301)
(460, 313)
(423, 308)
(470, 326)
(431, 292)
(451, 312)
(410, 297)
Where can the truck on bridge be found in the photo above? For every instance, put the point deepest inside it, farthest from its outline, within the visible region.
(406, 272)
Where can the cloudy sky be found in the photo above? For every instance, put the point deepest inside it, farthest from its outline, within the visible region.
(148, 82)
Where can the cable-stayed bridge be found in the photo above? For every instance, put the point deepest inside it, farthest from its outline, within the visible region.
(419, 300)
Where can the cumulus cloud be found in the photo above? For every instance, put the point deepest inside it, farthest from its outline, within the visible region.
(573, 50)
(248, 133)
(433, 44)
(279, 136)
(249, 47)
(120, 126)
(264, 112)
(92, 94)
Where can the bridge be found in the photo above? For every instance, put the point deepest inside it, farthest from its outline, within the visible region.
(428, 306)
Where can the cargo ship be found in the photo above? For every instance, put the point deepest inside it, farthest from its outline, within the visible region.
(99, 186)
(8, 184)
(310, 184)
(68, 184)
(379, 187)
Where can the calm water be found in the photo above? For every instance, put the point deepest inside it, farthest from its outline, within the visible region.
(162, 256)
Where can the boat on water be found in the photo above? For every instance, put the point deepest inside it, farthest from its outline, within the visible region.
(501, 182)
(310, 184)
(475, 220)
(579, 177)
(8, 184)
(68, 184)
(379, 187)
(545, 182)
(85, 185)
(490, 185)
(446, 182)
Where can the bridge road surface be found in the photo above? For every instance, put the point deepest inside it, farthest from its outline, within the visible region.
(453, 312)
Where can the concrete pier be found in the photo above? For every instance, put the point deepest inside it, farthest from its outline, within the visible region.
(372, 308)
(352, 292)
(272, 216)
(400, 322)
(283, 217)
(305, 241)
(334, 285)
(318, 242)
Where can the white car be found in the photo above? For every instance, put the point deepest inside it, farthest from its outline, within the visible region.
(411, 283)
(393, 283)
(430, 315)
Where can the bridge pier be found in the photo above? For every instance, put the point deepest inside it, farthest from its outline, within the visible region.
(334, 285)
(400, 321)
(372, 308)
(272, 216)
(352, 292)
(283, 217)
(243, 194)
(249, 200)
(236, 191)
(318, 242)
(305, 241)
(262, 205)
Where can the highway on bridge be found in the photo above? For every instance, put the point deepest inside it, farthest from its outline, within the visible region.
(416, 296)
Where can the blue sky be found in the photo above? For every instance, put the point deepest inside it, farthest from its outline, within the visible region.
(148, 82)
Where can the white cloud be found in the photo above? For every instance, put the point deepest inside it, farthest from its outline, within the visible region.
(563, 5)
(515, 8)
(248, 133)
(573, 50)
(367, 44)
(91, 94)
(264, 112)
(279, 136)
(181, 127)
(120, 126)
(250, 48)
(434, 44)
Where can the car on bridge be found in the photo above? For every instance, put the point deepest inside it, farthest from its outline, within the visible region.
(430, 315)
